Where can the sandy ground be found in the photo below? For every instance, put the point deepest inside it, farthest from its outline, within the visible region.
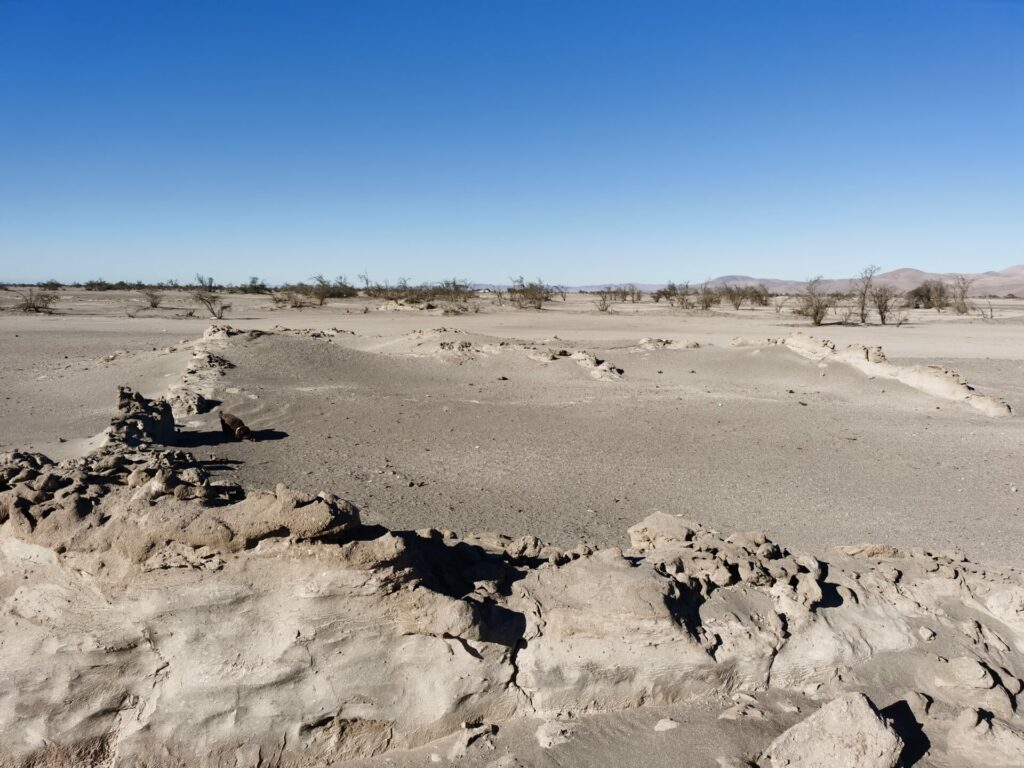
(739, 438)
(505, 420)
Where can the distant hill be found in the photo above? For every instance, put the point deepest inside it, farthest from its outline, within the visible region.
(1009, 280)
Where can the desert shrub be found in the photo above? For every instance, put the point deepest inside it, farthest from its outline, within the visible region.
(635, 294)
(51, 285)
(530, 295)
(676, 295)
(885, 299)
(153, 297)
(212, 301)
(960, 288)
(96, 285)
(603, 302)
(257, 286)
(931, 294)
(758, 295)
(34, 300)
(457, 291)
(862, 291)
(814, 302)
(295, 297)
(707, 296)
(734, 294)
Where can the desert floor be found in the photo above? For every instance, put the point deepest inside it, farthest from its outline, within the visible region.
(421, 432)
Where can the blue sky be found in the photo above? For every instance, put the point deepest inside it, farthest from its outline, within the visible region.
(581, 142)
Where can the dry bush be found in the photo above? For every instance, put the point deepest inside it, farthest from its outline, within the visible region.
(758, 295)
(961, 287)
(603, 302)
(863, 291)
(814, 302)
(885, 299)
(33, 300)
(212, 301)
(255, 285)
(530, 295)
(707, 297)
(458, 291)
(676, 295)
(153, 297)
(734, 294)
(635, 294)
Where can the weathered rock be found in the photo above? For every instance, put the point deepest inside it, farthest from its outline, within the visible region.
(847, 732)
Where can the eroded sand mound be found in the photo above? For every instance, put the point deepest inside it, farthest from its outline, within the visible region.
(152, 617)
(934, 380)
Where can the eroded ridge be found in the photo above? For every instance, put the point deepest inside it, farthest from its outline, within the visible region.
(934, 380)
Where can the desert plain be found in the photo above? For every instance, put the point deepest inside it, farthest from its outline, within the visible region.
(506, 537)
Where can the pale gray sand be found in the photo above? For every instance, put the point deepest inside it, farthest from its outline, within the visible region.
(553, 452)
(739, 438)
(278, 623)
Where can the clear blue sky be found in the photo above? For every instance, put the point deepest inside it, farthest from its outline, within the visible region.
(581, 142)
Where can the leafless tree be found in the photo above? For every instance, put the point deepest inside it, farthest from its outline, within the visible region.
(862, 291)
(815, 302)
(961, 287)
(734, 294)
(707, 296)
(885, 299)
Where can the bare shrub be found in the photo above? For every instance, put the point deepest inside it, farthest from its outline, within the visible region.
(635, 294)
(212, 301)
(603, 302)
(758, 295)
(153, 297)
(734, 294)
(33, 300)
(530, 295)
(814, 301)
(257, 286)
(676, 295)
(961, 287)
(862, 291)
(779, 304)
(884, 298)
(707, 297)
(447, 290)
